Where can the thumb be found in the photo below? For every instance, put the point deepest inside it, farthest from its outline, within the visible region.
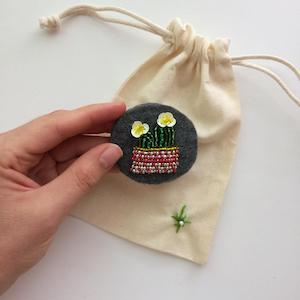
(65, 191)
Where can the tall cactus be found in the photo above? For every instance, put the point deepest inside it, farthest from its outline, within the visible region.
(163, 137)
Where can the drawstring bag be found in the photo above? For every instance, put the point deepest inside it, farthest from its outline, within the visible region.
(179, 138)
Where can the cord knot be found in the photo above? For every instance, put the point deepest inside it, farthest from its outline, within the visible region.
(50, 23)
(185, 39)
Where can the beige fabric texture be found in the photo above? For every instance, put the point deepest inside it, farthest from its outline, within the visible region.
(195, 76)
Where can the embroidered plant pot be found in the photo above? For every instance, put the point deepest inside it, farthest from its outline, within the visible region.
(159, 143)
(155, 160)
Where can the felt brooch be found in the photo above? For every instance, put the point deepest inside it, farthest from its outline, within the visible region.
(159, 143)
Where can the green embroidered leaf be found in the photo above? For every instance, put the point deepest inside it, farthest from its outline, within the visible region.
(181, 219)
(182, 210)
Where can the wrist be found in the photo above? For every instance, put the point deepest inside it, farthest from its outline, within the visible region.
(5, 282)
(7, 277)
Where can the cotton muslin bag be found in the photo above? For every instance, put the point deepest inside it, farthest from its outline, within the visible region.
(195, 76)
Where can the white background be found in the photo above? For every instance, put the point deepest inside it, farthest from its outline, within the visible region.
(255, 254)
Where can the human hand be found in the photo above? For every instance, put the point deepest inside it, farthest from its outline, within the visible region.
(45, 167)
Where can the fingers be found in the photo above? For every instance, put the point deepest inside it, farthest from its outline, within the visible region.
(103, 128)
(76, 146)
(60, 158)
(61, 167)
(64, 192)
(46, 132)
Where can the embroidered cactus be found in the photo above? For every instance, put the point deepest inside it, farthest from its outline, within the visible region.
(156, 151)
(161, 137)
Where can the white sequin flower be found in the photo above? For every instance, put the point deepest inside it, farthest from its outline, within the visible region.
(166, 119)
(138, 128)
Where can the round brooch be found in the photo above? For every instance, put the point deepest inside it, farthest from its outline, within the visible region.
(159, 143)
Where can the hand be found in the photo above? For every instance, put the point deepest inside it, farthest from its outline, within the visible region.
(45, 168)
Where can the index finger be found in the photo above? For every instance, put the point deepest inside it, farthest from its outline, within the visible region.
(46, 132)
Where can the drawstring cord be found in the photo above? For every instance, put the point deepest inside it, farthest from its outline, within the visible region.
(242, 61)
(54, 22)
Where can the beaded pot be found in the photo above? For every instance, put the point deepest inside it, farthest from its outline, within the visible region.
(155, 160)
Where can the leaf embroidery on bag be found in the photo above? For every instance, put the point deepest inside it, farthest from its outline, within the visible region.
(181, 219)
(156, 151)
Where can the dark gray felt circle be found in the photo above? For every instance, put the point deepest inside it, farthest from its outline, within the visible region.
(186, 140)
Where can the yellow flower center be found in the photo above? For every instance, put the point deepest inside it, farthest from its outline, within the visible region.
(166, 119)
(139, 129)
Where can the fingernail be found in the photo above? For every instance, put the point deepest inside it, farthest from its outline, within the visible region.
(110, 156)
